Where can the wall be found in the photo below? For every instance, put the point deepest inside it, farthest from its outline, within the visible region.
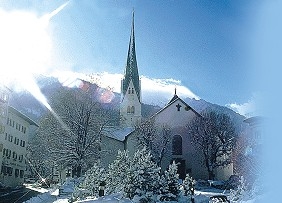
(14, 141)
(109, 149)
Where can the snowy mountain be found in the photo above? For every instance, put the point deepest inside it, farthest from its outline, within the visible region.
(202, 105)
(30, 106)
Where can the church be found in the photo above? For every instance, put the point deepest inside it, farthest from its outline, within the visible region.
(175, 115)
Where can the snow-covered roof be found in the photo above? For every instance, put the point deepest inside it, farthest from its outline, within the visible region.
(21, 115)
(119, 133)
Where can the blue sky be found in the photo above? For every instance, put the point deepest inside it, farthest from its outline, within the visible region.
(205, 47)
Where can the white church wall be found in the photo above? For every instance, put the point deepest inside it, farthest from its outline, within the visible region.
(132, 143)
(170, 115)
(109, 150)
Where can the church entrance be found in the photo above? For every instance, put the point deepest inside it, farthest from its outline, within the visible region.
(181, 167)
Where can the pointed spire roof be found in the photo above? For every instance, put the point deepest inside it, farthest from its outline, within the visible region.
(174, 97)
(131, 69)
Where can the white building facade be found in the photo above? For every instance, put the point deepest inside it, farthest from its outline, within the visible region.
(14, 140)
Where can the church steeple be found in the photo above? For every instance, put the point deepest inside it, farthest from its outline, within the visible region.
(131, 69)
(130, 106)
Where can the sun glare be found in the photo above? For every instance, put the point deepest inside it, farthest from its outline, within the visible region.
(25, 45)
(25, 49)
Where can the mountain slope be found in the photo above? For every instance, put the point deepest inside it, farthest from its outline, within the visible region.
(30, 106)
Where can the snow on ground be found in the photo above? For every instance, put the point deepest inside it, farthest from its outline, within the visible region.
(52, 196)
(49, 197)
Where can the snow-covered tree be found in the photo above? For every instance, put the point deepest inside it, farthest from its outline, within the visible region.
(237, 195)
(246, 158)
(117, 173)
(38, 158)
(142, 176)
(169, 184)
(188, 185)
(154, 137)
(72, 130)
(94, 177)
(214, 135)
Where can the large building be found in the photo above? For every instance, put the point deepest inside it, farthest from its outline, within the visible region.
(175, 115)
(13, 141)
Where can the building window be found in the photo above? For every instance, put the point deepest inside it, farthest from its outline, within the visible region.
(22, 144)
(4, 170)
(132, 109)
(10, 138)
(9, 171)
(21, 173)
(15, 156)
(132, 91)
(4, 152)
(129, 90)
(4, 97)
(8, 153)
(128, 109)
(177, 145)
(2, 111)
(20, 158)
(17, 173)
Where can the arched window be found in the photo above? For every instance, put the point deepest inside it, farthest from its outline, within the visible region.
(129, 90)
(177, 145)
(128, 109)
(132, 90)
(132, 109)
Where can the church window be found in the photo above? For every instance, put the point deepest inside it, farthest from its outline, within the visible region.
(128, 109)
(132, 109)
(129, 90)
(132, 91)
(177, 145)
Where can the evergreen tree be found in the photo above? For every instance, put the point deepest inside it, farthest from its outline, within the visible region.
(117, 173)
(170, 188)
(188, 185)
(142, 176)
(93, 179)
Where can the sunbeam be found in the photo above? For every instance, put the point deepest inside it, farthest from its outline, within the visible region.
(25, 50)
(48, 16)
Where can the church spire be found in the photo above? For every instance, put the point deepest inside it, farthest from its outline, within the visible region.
(174, 96)
(131, 69)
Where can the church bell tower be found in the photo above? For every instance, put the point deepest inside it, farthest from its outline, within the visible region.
(130, 107)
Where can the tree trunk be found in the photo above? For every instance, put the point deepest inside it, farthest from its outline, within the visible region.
(211, 175)
(77, 171)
